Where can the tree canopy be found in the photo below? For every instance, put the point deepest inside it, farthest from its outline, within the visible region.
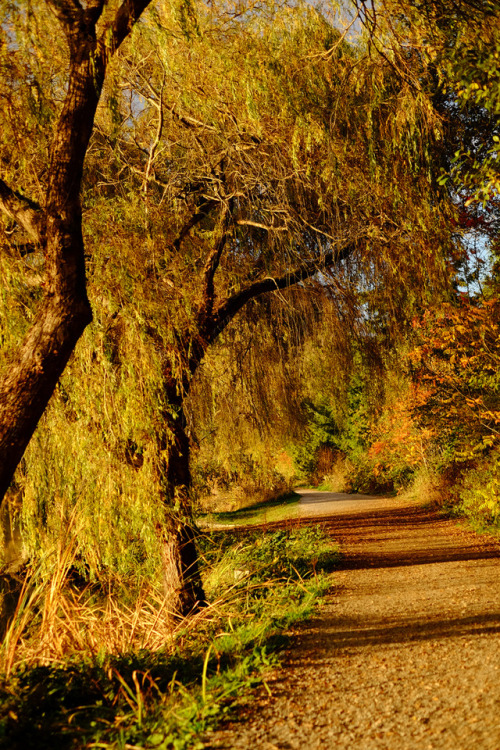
(213, 156)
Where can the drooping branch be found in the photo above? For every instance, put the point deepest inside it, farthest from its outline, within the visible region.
(23, 211)
(194, 348)
(228, 309)
(212, 322)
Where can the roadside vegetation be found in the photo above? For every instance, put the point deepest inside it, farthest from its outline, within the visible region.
(283, 507)
(111, 668)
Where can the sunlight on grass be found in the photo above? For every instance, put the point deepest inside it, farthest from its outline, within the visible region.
(101, 665)
(285, 507)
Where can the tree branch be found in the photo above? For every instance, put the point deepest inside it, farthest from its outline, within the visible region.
(195, 219)
(23, 211)
(69, 13)
(228, 309)
(211, 265)
(258, 225)
(79, 23)
(126, 16)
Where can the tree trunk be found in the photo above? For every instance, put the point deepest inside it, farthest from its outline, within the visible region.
(181, 576)
(182, 580)
(30, 381)
(26, 387)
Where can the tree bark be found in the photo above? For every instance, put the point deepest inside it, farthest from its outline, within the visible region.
(27, 386)
(29, 381)
(182, 579)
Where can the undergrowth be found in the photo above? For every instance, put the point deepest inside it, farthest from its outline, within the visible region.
(80, 670)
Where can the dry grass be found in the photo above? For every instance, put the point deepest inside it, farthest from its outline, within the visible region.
(55, 620)
(337, 478)
(426, 488)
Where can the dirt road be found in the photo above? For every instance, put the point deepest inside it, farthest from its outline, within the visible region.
(405, 653)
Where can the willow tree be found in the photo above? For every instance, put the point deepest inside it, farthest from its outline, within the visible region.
(262, 153)
(92, 32)
(238, 155)
(459, 46)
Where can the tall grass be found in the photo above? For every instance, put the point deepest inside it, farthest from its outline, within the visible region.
(98, 667)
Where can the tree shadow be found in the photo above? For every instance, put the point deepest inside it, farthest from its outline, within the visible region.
(425, 538)
(405, 630)
(250, 512)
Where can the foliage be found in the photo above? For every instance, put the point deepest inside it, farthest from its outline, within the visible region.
(92, 461)
(479, 494)
(458, 44)
(166, 696)
(321, 432)
(471, 68)
(456, 367)
(384, 446)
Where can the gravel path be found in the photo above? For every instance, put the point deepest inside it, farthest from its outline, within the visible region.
(405, 652)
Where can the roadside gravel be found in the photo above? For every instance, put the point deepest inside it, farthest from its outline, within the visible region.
(403, 655)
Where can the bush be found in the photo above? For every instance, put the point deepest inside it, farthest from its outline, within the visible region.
(479, 494)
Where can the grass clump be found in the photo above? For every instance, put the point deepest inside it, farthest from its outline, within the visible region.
(84, 669)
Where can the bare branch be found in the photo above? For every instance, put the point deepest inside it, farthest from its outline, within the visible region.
(23, 211)
(258, 225)
(154, 145)
(191, 122)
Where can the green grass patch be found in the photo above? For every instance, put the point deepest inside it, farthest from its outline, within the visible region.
(259, 584)
(270, 511)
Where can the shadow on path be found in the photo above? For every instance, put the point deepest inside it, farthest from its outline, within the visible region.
(404, 654)
(402, 537)
(405, 631)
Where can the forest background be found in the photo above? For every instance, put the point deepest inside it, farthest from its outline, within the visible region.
(285, 218)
